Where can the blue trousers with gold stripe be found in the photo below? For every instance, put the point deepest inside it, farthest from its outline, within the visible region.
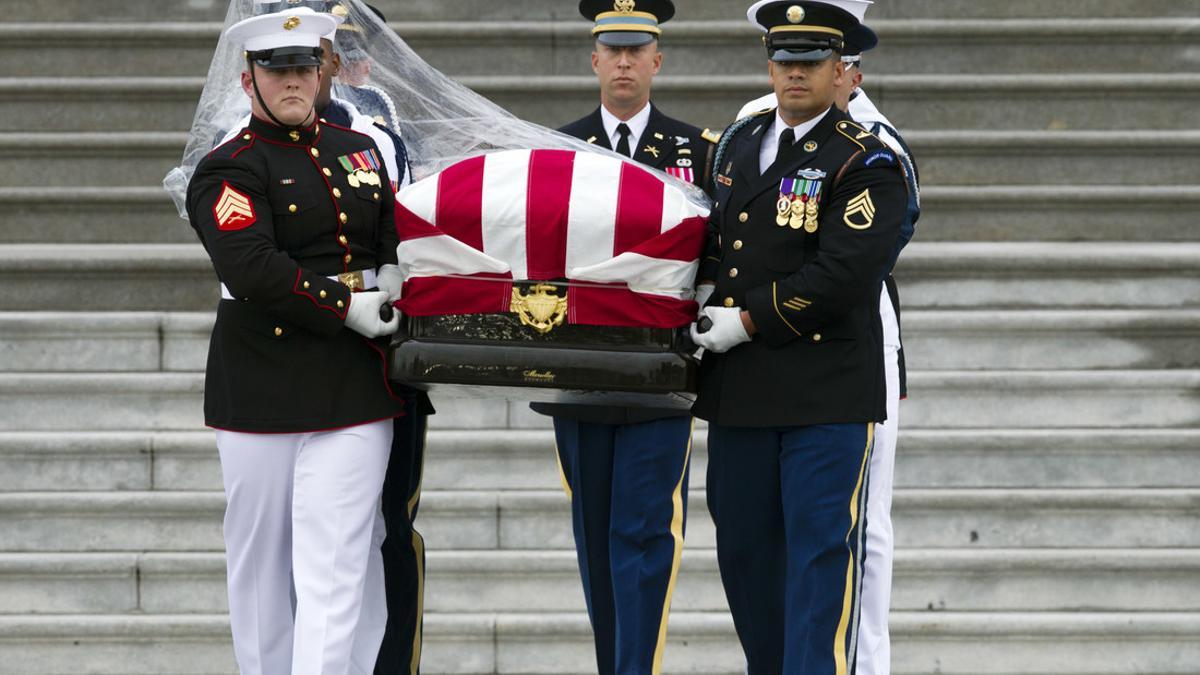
(788, 504)
(628, 489)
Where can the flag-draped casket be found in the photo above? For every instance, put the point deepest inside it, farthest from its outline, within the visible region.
(549, 273)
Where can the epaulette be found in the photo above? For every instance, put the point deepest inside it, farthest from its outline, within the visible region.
(711, 136)
(857, 134)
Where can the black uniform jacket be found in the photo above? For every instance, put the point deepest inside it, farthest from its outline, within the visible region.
(278, 214)
(666, 144)
(812, 289)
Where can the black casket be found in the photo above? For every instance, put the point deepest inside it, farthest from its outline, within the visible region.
(531, 354)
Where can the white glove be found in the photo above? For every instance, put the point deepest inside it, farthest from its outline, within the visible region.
(390, 280)
(727, 330)
(363, 315)
(703, 293)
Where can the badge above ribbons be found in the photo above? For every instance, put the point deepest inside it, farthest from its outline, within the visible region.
(800, 200)
(362, 167)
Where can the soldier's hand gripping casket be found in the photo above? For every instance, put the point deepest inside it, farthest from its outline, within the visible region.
(366, 315)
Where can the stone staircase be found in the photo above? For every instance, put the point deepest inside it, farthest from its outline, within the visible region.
(1048, 484)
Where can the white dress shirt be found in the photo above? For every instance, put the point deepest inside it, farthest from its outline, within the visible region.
(770, 142)
(637, 126)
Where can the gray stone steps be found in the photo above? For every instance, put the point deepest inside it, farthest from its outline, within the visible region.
(946, 643)
(1151, 162)
(935, 275)
(112, 215)
(1010, 102)
(78, 342)
(937, 399)
(488, 460)
(483, 10)
(537, 520)
(1074, 213)
(941, 580)
(537, 47)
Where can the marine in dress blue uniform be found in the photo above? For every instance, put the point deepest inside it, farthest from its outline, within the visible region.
(808, 210)
(625, 470)
(296, 215)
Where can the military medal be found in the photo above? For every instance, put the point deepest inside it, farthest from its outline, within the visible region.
(808, 191)
(784, 208)
(362, 168)
(797, 219)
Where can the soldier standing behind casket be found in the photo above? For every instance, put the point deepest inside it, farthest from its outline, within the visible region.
(809, 208)
(295, 383)
(625, 469)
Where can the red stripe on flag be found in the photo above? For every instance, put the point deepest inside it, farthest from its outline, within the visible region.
(411, 226)
(594, 305)
(460, 202)
(639, 208)
(547, 204)
(435, 296)
(684, 242)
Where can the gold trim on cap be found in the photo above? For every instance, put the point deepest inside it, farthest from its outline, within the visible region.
(628, 28)
(807, 29)
(626, 15)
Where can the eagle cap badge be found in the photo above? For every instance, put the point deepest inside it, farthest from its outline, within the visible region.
(292, 23)
(625, 6)
(795, 14)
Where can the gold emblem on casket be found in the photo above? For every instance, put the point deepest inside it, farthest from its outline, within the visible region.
(539, 308)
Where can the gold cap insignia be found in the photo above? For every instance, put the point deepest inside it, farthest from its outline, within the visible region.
(795, 14)
(624, 6)
(340, 10)
(292, 23)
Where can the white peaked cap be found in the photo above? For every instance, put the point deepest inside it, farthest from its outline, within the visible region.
(858, 8)
(301, 27)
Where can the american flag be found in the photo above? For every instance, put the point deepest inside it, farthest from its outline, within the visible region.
(628, 242)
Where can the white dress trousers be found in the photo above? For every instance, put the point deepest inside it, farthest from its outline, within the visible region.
(302, 533)
(874, 642)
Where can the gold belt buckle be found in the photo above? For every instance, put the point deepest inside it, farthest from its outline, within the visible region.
(354, 280)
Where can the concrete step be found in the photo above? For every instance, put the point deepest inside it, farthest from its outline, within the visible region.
(482, 10)
(103, 341)
(987, 158)
(946, 643)
(998, 102)
(113, 215)
(934, 340)
(534, 46)
(489, 460)
(939, 275)
(1058, 213)
(41, 160)
(951, 213)
(937, 399)
(957, 580)
(43, 522)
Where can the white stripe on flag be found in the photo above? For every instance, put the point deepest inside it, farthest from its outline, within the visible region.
(591, 230)
(643, 274)
(421, 198)
(444, 255)
(673, 203)
(505, 191)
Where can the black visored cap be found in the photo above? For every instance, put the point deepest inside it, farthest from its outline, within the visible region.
(860, 39)
(287, 57)
(805, 30)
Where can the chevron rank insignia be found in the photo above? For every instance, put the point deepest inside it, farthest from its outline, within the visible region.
(233, 210)
(860, 212)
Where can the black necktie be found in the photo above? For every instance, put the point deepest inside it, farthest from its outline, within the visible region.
(623, 144)
(786, 140)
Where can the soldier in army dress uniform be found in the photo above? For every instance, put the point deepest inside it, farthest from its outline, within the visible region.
(808, 212)
(626, 469)
(296, 216)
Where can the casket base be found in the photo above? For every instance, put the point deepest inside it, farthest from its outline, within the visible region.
(546, 374)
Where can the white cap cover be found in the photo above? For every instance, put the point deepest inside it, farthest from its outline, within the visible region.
(301, 27)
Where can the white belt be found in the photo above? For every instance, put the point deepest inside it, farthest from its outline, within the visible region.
(359, 280)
